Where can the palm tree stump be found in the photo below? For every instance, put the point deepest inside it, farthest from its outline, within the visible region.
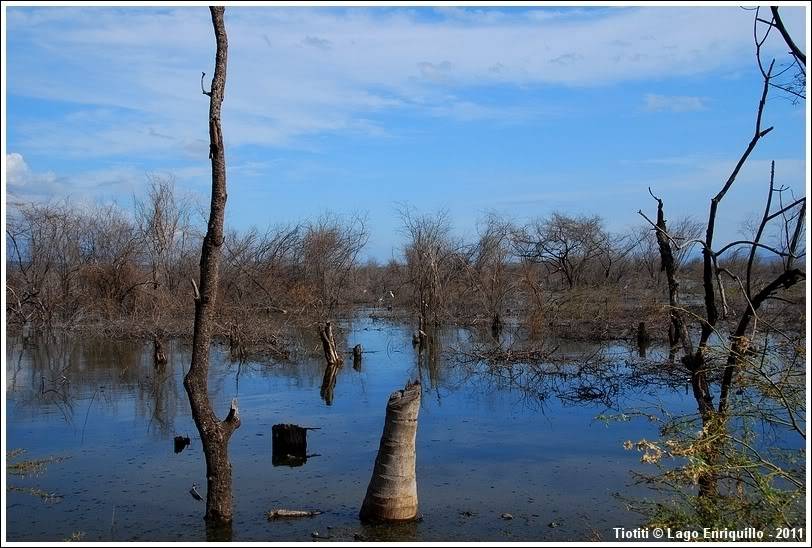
(392, 491)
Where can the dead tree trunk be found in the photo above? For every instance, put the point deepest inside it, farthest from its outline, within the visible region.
(214, 434)
(678, 333)
(496, 326)
(158, 355)
(678, 329)
(328, 342)
(357, 353)
(289, 445)
(419, 337)
(643, 339)
(392, 491)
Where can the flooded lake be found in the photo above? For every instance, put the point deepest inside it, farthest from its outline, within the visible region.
(486, 445)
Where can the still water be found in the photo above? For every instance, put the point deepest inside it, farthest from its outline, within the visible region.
(486, 445)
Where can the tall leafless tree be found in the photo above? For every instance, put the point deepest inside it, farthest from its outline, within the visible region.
(214, 433)
(697, 359)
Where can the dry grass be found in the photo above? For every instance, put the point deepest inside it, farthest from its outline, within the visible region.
(36, 492)
(26, 468)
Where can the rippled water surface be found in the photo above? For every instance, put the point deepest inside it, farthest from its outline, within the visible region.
(485, 445)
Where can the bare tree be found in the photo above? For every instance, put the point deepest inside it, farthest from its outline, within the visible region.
(68, 264)
(262, 271)
(791, 76)
(433, 263)
(647, 252)
(697, 359)
(160, 221)
(489, 267)
(566, 245)
(330, 251)
(214, 433)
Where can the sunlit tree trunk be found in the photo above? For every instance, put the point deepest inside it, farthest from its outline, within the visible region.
(392, 491)
(214, 433)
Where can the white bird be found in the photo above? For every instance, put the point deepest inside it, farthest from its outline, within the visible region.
(194, 493)
(391, 295)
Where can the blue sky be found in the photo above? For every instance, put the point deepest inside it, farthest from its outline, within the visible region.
(519, 111)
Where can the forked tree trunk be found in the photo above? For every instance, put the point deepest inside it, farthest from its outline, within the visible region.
(328, 342)
(392, 491)
(693, 361)
(214, 434)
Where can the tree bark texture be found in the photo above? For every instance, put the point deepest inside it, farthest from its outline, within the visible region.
(392, 491)
(328, 342)
(214, 434)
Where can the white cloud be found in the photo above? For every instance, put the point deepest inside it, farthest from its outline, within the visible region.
(21, 180)
(16, 169)
(673, 103)
(25, 184)
(306, 71)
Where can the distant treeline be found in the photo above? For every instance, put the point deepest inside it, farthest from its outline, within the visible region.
(132, 271)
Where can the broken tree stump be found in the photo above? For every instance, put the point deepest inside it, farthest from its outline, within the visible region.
(643, 339)
(181, 443)
(392, 491)
(158, 355)
(289, 445)
(357, 351)
(328, 342)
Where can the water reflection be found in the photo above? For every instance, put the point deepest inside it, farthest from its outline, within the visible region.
(482, 444)
(328, 383)
(428, 353)
(357, 356)
(397, 532)
(219, 533)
